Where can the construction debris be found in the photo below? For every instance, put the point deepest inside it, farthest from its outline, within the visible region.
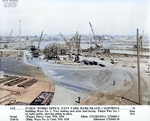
(102, 65)
(71, 49)
(44, 98)
(36, 51)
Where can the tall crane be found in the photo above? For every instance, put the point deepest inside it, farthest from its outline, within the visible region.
(20, 38)
(6, 44)
(35, 51)
(94, 36)
(40, 41)
(92, 31)
(141, 39)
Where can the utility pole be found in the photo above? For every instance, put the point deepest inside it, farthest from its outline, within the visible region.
(20, 37)
(138, 64)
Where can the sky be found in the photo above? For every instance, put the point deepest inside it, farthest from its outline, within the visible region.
(108, 17)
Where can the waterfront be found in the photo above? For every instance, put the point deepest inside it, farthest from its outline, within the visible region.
(73, 81)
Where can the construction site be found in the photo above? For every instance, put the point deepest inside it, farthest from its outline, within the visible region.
(21, 83)
(94, 72)
(14, 90)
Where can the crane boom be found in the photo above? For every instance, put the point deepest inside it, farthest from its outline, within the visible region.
(40, 40)
(92, 31)
(10, 36)
(96, 43)
(6, 43)
(63, 38)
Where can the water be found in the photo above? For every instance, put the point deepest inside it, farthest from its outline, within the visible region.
(106, 44)
(129, 52)
(25, 44)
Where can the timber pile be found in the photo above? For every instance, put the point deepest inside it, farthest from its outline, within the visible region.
(16, 81)
(28, 83)
(8, 79)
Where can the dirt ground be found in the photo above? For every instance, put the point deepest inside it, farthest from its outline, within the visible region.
(19, 94)
(127, 94)
(124, 96)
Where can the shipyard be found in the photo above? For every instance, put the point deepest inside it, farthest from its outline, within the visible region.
(90, 62)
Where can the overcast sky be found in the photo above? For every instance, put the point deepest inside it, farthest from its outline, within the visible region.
(108, 17)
